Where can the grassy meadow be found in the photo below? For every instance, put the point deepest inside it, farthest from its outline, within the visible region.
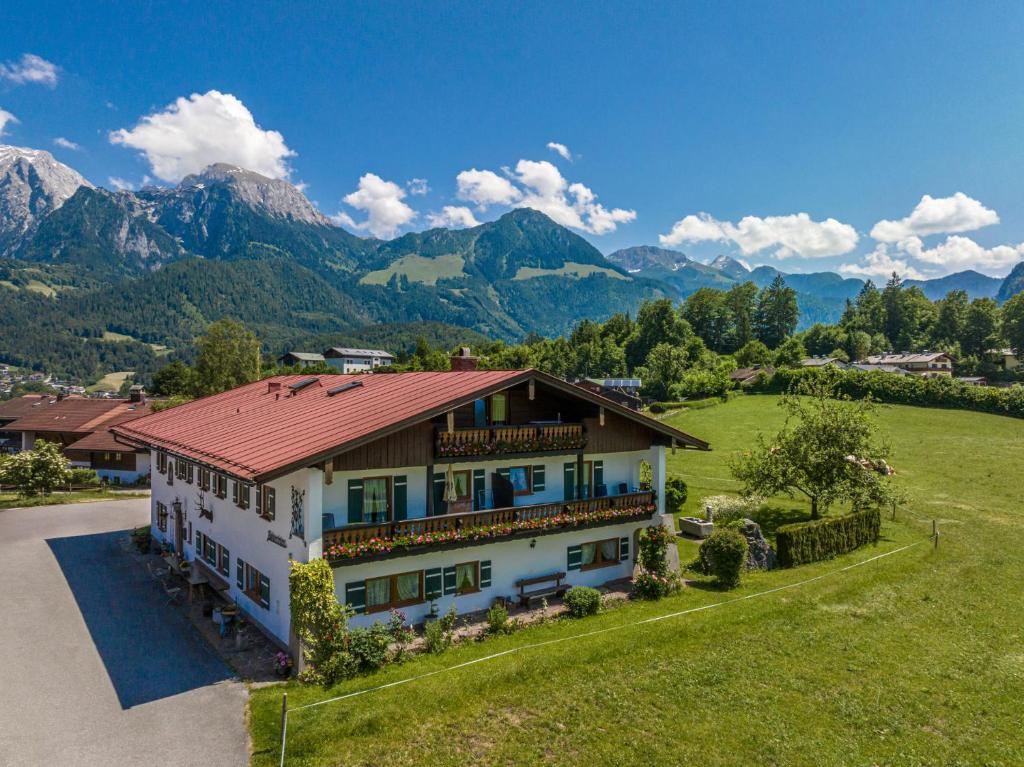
(912, 659)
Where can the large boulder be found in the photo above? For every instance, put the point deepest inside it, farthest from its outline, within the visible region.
(760, 556)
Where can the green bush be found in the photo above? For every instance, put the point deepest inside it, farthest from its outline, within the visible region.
(498, 622)
(82, 476)
(826, 538)
(369, 647)
(675, 494)
(723, 555)
(438, 633)
(582, 600)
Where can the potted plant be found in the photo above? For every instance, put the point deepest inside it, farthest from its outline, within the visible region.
(282, 664)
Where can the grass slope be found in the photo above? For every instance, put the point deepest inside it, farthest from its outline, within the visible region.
(915, 659)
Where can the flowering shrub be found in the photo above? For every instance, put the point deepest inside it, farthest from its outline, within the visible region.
(282, 662)
(497, 447)
(482, 532)
(654, 580)
(653, 586)
(729, 508)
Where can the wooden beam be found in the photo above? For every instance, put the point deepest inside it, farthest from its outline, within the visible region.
(532, 388)
(600, 416)
(328, 472)
(451, 421)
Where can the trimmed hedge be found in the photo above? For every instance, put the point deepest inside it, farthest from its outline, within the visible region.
(909, 390)
(807, 542)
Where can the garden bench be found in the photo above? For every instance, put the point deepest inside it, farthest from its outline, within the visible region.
(555, 588)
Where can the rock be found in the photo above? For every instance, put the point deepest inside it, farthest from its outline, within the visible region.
(760, 556)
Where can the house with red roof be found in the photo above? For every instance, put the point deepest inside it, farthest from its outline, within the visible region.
(422, 490)
(81, 427)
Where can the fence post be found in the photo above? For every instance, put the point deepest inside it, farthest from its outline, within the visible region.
(284, 723)
(935, 533)
(894, 511)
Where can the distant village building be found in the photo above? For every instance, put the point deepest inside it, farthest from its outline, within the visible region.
(925, 364)
(1004, 359)
(866, 368)
(749, 376)
(300, 359)
(348, 360)
(625, 391)
(820, 362)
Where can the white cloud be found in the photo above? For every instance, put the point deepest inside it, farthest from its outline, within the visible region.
(937, 215)
(485, 187)
(120, 184)
(417, 186)
(561, 149)
(572, 205)
(203, 129)
(958, 253)
(453, 217)
(879, 265)
(30, 69)
(64, 143)
(6, 118)
(382, 202)
(793, 235)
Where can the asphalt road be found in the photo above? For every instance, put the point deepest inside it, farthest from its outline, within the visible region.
(96, 670)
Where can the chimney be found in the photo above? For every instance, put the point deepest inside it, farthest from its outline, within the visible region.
(273, 386)
(137, 394)
(463, 360)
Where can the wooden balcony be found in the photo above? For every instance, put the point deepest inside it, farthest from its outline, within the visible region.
(505, 440)
(368, 541)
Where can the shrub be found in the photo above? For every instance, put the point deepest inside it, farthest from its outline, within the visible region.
(826, 538)
(582, 600)
(497, 620)
(438, 633)
(700, 382)
(401, 634)
(83, 476)
(675, 494)
(369, 647)
(654, 580)
(647, 585)
(729, 508)
(320, 623)
(36, 471)
(723, 555)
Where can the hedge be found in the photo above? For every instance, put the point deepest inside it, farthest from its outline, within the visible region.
(909, 390)
(807, 542)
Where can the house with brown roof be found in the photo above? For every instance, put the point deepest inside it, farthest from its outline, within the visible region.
(925, 364)
(423, 490)
(82, 428)
(744, 377)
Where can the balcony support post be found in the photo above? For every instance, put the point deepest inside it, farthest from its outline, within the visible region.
(430, 490)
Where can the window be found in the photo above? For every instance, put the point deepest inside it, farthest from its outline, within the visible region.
(210, 550)
(467, 578)
(462, 486)
(521, 478)
(117, 456)
(499, 408)
(244, 494)
(266, 502)
(376, 500)
(600, 554)
(161, 462)
(220, 486)
(223, 561)
(394, 591)
(161, 517)
(204, 479)
(236, 493)
(189, 469)
(254, 584)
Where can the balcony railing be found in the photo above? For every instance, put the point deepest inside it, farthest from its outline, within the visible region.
(501, 440)
(357, 541)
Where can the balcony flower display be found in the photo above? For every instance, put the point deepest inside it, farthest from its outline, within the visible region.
(467, 445)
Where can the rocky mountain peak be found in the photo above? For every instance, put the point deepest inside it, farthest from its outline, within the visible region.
(273, 196)
(729, 266)
(641, 257)
(32, 184)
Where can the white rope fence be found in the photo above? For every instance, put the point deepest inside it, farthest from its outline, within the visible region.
(286, 712)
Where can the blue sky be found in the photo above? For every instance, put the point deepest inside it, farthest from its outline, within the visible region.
(780, 133)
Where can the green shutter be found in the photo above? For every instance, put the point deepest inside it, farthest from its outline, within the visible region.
(506, 473)
(485, 574)
(479, 488)
(355, 595)
(401, 495)
(240, 573)
(355, 501)
(598, 477)
(439, 505)
(569, 477)
(574, 558)
(265, 592)
(538, 478)
(449, 580)
(433, 583)
(624, 549)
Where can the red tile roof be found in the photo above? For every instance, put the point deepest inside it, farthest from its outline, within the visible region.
(254, 432)
(71, 415)
(21, 406)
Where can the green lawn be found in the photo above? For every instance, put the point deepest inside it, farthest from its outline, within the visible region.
(914, 659)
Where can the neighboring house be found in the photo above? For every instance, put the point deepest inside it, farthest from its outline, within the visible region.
(383, 476)
(1005, 359)
(973, 380)
(11, 410)
(348, 360)
(750, 376)
(82, 428)
(820, 362)
(879, 368)
(926, 364)
(624, 391)
(300, 359)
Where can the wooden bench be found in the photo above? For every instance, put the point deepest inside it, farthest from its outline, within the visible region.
(555, 588)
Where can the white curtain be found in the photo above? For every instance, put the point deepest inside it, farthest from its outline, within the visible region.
(589, 552)
(610, 550)
(408, 586)
(375, 500)
(465, 577)
(378, 592)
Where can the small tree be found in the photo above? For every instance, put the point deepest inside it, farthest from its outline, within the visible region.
(229, 356)
(320, 622)
(827, 450)
(36, 471)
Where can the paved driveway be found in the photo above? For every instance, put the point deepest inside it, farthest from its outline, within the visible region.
(95, 669)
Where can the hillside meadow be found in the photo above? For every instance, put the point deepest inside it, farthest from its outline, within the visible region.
(912, 659)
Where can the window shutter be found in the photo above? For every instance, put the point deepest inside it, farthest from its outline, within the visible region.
(569, 477)
(355, 501)
(479, 488)
(264, 591)
(401, 498)
(259, 499)
(624, 549)
(433, 583)
(449, 580)
(505, 473)
(270, 506)
(240, 573)
(574, 558)
(191, 474)
(485, 574)
(235, 488)
(538, 478)
(598, 477)
(439, 504)
(355, 596)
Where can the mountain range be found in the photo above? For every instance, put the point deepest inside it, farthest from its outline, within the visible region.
(91, 278)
